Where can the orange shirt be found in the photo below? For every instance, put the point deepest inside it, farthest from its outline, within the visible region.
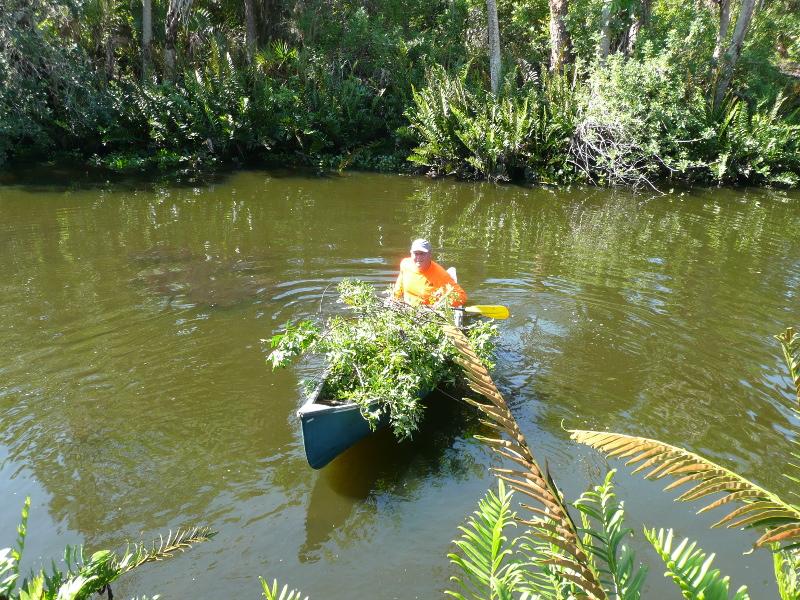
(425, 287)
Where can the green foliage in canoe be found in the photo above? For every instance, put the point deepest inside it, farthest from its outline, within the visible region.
(386, 351)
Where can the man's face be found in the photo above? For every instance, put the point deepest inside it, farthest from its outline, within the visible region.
(421, 259)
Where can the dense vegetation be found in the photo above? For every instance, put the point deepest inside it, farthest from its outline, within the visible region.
(604, 91)
(383, 355)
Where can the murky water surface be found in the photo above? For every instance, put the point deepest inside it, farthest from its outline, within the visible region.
(135, 399)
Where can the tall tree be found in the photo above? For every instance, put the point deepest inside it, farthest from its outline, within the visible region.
(722, 32)
(604, 43)
(249, 30)
(177, 9)
(559, 36)
(637, 24)
(147, 37)
(731, 57)
(494, 45)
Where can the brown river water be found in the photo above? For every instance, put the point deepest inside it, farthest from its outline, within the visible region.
(135, 398)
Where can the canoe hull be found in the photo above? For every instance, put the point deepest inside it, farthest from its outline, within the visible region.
(330, 430)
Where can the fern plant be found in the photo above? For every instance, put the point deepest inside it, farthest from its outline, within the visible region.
(85, 574)
(690, 568)
(464, 130)
(606, 562)
(488, 557)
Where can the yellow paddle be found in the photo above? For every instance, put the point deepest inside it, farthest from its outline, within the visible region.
(493, 312)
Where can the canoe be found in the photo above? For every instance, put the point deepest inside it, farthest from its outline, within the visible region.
(330, 427)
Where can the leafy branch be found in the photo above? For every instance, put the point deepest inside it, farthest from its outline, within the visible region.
(385, 358)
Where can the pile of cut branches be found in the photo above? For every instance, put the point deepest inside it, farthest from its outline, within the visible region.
(385, 356)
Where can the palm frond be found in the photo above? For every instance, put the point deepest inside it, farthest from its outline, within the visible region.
(271, 593)
(691, 569)
(552, 523)
(181, 540)
(791, 351)
(760, 509)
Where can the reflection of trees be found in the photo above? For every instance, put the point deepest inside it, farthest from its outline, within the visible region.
(136, 413)
(134, 388)
(139, 413)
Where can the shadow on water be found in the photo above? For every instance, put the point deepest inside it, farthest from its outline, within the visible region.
(69, 176)
(380, 465)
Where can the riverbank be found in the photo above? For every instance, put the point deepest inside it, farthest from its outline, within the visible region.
(408, 90)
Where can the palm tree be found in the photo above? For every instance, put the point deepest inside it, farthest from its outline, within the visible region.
(494, 45)
(559, 36)
(175, 13)
(729, 60)
(147, 37)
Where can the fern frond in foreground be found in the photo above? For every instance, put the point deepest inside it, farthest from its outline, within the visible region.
(563, 551)
(180, 541)
(691, 570)
(790, 343)
(603, 519)
(271, 593)
(84, 575)
(756, 507)
(488, 556)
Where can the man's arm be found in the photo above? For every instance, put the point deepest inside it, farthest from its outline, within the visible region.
(398, 286)
(444, 280)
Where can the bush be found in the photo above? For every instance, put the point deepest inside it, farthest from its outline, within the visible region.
(469, 132)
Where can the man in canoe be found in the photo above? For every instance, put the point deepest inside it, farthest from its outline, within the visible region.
(423, 281)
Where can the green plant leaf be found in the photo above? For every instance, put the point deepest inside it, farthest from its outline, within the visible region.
(690, 569)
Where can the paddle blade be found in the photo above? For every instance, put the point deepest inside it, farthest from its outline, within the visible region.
(493, 312)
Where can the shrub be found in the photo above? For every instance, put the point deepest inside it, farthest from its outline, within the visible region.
(467, 131)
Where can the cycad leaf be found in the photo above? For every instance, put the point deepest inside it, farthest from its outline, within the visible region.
(485, 547)
(780, 520)
(530, 479)
(691, 570)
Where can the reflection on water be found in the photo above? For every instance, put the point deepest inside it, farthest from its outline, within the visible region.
(199, 279)
(134, 395)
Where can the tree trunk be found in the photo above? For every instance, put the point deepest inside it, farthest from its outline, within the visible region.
(722, 33)
(494, 45)
(604, 44)
(250, 30)
(110, 58)
(728, 62)
(147, 37)
(637, 26)
(559, 36)
(175, 12)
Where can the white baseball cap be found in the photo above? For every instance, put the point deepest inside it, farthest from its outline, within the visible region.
(420, 245)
